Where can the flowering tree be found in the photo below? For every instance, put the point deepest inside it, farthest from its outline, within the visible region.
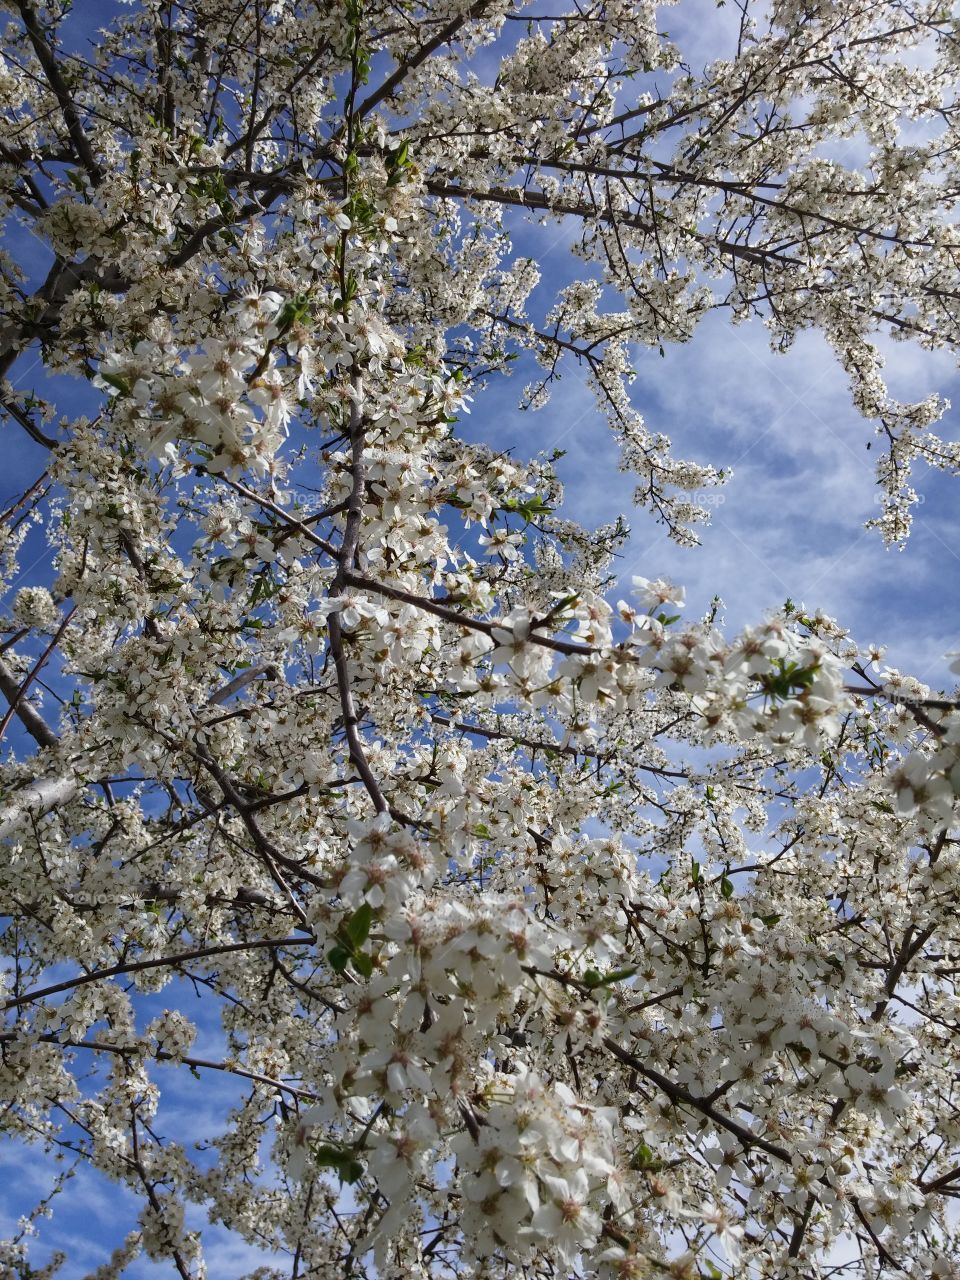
(542, 936)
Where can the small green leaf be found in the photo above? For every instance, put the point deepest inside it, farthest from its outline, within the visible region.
(726, 887)
(396, 162)
(118, 383)
(357, 928)
(618, 975)
(642, 1156)
(593, 979)
(345, 1162)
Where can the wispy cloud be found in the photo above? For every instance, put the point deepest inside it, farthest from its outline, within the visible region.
(790, 521)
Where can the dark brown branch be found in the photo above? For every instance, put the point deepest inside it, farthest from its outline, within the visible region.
(437, 607)
(265, 847)
(908, 949)
(163, 1055)
(150, 1189)
(30, 427)
(136, 966)
(48, 61)
(883, 1257)
(408, 64)
(32, 674)
(676, 1093)
(525, 199)
(939, 1183)
(348, 551)
(555, 748)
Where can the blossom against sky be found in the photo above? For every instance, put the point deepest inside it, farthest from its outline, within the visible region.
(788, 524)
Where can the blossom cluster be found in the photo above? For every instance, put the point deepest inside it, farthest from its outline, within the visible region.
(536, 930)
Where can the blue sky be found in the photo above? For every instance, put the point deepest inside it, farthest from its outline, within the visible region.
(790, 521)
(790, 524)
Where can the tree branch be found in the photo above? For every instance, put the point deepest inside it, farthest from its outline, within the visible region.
(48, 61)
(408, 64)
(159, 962)
(677, 1093)
(348, 550)
(32, 674)
(31, 719)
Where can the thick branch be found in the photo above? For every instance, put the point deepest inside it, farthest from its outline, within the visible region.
(31, 719)
(37, 799)
(348, 551)
(21, 690)
(48, 61)
(408, 64)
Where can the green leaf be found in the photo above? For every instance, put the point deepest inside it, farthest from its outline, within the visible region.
(118, 383)
(396, 161)
(344, 1161)
(357, 928)
(726, 887)
(695, 872)
(618, 975)
(339, 958)
(787, 678)
(642, 1156)
(593, 979)
(529, 507)
(362, 963)
(293, 311)
(264, 587)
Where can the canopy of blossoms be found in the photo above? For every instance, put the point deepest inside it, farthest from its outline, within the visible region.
(544, 933)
